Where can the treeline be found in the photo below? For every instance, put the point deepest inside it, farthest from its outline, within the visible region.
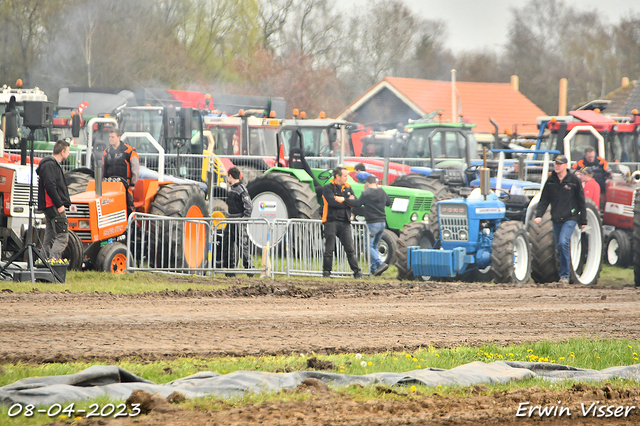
(310, 52)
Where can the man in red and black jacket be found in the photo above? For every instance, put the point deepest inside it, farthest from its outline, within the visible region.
(121, 159)
(53, 197)
(336, 217)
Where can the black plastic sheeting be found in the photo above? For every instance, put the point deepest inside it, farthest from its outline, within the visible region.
(117, 383)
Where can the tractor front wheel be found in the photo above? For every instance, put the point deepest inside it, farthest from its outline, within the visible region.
(618, 249)
(413, 234)
(510, 254)
(112, 258)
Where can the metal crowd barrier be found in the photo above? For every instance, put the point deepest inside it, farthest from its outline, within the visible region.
(208, 246)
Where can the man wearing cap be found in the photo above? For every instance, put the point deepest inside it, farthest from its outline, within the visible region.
(563, 190)
(375, 199)
(590, 186)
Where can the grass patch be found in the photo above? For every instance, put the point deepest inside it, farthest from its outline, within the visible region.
(582, 353)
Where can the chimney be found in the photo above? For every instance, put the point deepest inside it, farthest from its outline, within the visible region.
(562, 100)
(515, 83)
(625, 82)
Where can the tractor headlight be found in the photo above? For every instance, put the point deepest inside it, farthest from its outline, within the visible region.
(486, 231)
(425, 218)
(84, 224)
(446, 234)
(414, 217)
(463, 234)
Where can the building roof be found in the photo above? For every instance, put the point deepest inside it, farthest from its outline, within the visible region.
(476, 101)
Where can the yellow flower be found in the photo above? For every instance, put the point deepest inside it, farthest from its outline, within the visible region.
(395, 359)
(438, 355)
(510, 354)
(408, 355)
(415, 359)
(529, 350)
(370, 363)
(419, 366)
(561, 358)
(630, 347)
(413, 388)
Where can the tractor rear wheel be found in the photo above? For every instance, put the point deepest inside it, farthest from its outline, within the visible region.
(182, 244)
(618, 249)
(636, 239)
(544, 254)
(74, 252)
(280, 196)
(439, 190)
(413, 234)
(77, 182)
(510, 254)
(112, 258)
(586, 248)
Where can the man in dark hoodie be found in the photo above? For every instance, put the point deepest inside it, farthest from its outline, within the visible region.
(53, 197)
(563, 190)
(338, 198)
(375, 199)
(239, 205)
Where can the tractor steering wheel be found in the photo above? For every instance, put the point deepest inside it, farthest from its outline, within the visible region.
(118, 179)
(325, 175)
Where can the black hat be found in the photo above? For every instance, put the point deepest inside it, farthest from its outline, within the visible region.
(561, 159)
(586, 170)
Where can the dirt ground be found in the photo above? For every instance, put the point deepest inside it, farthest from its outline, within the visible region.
(261, 318)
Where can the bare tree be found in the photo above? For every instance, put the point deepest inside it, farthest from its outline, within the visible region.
(272, 15)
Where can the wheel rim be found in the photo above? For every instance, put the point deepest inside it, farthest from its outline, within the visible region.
(270, 206)
(119, 264)
(383, 251)
(593, 233)
(612, 251)
(194, 236)
(520, 258)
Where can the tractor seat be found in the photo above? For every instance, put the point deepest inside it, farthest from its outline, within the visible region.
(516, 202)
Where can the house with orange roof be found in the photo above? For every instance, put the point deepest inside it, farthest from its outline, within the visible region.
(395, 100)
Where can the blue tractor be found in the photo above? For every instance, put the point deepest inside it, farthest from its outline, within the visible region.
(477, 240)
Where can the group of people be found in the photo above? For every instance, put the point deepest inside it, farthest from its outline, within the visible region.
(119, 160)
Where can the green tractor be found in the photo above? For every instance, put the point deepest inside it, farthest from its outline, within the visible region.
(292, 190)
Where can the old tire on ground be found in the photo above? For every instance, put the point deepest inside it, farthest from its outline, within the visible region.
(388, 247)
(636, 240)
(617, 249)
(544, 255)
(587, 248)
(185, 245)
(510, 254)
(112, 258)
(439, 190)
(74, 252)
(413, 234)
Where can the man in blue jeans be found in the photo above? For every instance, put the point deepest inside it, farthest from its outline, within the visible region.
(375, 199)
(563, 190)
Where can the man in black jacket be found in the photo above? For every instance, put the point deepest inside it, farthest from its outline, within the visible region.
(338, 198)
(563, 190)
(375, 199)
(239, 205)
(121, 160)
(53, 197)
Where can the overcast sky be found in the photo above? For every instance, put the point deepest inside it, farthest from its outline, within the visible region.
(477, 24)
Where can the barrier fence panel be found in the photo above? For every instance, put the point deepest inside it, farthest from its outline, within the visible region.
(185, 166)
(208, 246)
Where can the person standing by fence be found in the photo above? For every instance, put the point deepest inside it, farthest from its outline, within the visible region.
(239, 205)
(337, 197)
(375, 199)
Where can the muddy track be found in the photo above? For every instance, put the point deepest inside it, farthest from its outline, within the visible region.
(259, 318)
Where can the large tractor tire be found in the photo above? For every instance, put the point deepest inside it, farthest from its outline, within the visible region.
(413, 234)
(439, 190)
(112, 258)
(74, 252)
(297, 197)
(617, 249)
(544, 255)
(636, 240)
(587, 248)
(388, 247)
(281, 196)
(510, 254)
(77, 182)
(185, 245)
